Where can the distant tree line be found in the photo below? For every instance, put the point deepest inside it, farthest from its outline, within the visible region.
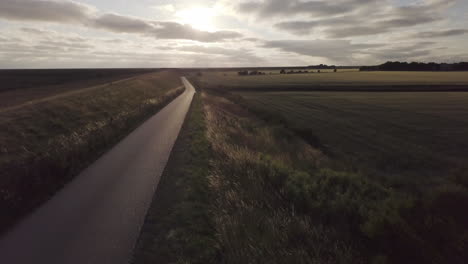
(417, 66)
(321, 66)
(283, 71)
(255, 72)
(293, 72)
(290, 71)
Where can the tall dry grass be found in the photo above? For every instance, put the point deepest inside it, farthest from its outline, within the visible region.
(278, 200)
(255, 221)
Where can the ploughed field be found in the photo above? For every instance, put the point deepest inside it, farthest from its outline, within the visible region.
(419, 138)
(341, 80)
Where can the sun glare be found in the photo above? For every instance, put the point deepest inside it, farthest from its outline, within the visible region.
(199, 18)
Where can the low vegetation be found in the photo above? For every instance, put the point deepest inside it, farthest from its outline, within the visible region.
(45, 144)
(343, 80)
(399, 135)
(20, 86)
(417, 66)
(403, 180)
(178, 226)
(317, 178)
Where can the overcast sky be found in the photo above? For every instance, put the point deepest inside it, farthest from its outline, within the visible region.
(191, 33)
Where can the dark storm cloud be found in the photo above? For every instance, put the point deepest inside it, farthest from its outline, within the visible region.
(442, 33)
(71, 12)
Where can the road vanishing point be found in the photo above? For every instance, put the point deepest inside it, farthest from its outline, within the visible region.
(98, 216)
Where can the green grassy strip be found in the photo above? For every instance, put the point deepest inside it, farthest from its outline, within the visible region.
(178, 226)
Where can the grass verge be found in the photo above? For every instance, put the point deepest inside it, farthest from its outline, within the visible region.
(178, 226)
(45, 145)
(265, 193)
(276, 202)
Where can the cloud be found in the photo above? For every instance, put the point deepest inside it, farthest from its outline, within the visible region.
(441, 33)
(401, 51)
(46, 56)
(234, 54)
(64, 44)
(252, 39)
(71, 12)
(359, 17)
(336, 50)
(173, 30)
(345, 32)
(35, 31)
(274, 8)
(121, 24)
(163, 30)
(218, 50)
(44, 10)
(344, 51)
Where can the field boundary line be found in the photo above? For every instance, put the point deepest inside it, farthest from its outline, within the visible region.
(66, 94)
(354, 88)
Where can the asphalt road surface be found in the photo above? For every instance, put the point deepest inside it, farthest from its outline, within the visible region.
(98, 216)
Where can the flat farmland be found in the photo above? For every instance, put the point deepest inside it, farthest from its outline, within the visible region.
(23, 86)
(44, 144)
(341, 80)
(401, 134)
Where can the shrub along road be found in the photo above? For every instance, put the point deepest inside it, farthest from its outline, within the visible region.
(97, 217)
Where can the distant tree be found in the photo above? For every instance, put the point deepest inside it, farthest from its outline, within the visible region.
(416, 66)
(335, 70)
(283, 71)
(318, 71)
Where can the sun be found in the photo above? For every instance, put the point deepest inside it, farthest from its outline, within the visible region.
(200, 18)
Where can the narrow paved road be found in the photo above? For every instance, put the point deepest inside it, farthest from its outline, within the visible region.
(98, 216)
